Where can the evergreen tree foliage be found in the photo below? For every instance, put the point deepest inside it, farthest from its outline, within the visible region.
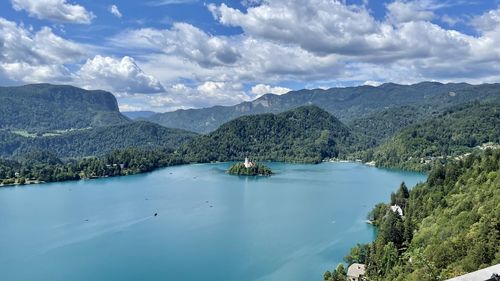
(255, 170)
(451, 224)
(305, 134)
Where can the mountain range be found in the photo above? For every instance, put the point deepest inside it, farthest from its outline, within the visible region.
(393, 125)
(347, 104)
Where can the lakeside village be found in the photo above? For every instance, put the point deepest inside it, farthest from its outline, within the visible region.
(423, 160)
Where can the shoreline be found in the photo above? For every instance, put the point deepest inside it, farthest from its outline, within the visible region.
(357, 161)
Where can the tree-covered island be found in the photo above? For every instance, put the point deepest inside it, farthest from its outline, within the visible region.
(249, 168)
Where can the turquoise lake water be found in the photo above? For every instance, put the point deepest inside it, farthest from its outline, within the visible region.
(210, 226)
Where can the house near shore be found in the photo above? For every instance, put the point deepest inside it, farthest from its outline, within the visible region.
(356, 272)
(397, 209)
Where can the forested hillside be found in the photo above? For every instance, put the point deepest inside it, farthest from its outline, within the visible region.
(347, 104)
(305, 134)
(45, 167)
(95, 142)
(40, 107)
(382, 125)
(453, 133)
(450, 224)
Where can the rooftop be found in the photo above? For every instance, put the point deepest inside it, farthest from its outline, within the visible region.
(356, 270)
(480, 275)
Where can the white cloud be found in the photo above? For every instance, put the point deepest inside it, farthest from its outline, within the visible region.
(261, 89)
(114, 10)
(348, 31)
(405, 11)
(54, 10)
(211, 93)
(190, 53)
(358, 43)
(451, 21)
(372, 83)
(182, 96)
(36, 56)
(170, 2)
(128, 107)
(22, 71)
(119, 75)
(42, 47)
(319, 26)
(489, 21)
(184, 40)
(208, 93)
(195, 44)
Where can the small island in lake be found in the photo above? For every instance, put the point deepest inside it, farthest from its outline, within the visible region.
(249, 168)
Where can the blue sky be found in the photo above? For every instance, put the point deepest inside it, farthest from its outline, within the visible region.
(163, 55)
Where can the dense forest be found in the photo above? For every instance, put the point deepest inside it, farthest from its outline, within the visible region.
(42, 166)
(453, 133)
(305, 134)
(40, 107)
(450, 225)
(378, 127)
(96, 141)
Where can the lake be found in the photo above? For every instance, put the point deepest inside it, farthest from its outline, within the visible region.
(209, 226)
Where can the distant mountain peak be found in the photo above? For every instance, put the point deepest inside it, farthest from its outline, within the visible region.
(346, 104)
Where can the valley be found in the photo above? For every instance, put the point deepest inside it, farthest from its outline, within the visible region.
(455, 141)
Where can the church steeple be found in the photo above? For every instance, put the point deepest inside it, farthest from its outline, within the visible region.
(247, 163)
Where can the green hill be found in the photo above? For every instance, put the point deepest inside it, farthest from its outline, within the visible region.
(347, 104)
(450, 227)
(40, 107)
(378, 127)
(305, 134)
(96, 141)
(453, 133)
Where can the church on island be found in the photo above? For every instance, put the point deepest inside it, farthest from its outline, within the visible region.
(249, 168)
(248, 164)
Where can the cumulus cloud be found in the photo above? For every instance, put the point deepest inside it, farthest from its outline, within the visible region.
(54, 10)
(36, 56)
(42, 47)
(119, 75)
(113, 9)
(359, 43)
(261, 89)
(247, 60)
(348, 31)
(405, 11)
(488, 21)
(183, 96)
(209, 93)
(22, 71)
(184, 40)
(319, 26)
